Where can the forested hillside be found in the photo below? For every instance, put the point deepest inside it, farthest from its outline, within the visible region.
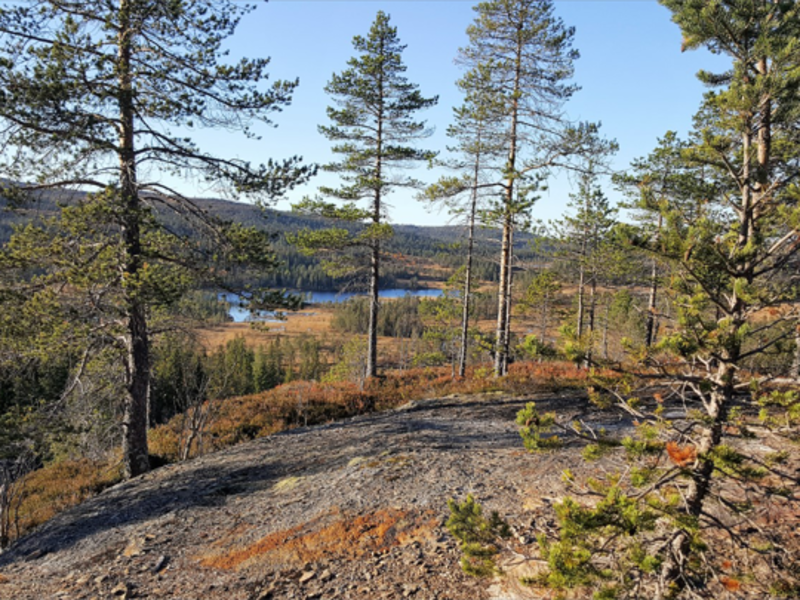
(418, 256)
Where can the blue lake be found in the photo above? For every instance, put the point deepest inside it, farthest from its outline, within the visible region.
(241, 314)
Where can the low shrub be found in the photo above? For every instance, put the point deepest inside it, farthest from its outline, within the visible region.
(57, 487)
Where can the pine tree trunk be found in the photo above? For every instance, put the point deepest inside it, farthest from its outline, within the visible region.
(372, 340)
(590, 325)
(543, 323)
(500, 356)
(5, 517)
(375, 258)
(581, 292)
(795, 372)
(504, 287)
(134, 418)
(465, 300)
(605, 329)
(509, 297)
(650, 322)
(673, 569)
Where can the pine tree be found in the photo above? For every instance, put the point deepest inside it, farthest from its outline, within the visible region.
(585, 238)
(527, 51)
(477, 142)
(372, 125)
(89, 98)
(661, 177)
(541, 295)
(689, 513)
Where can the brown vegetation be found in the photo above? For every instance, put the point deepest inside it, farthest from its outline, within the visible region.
(344, 538)
(315, 321)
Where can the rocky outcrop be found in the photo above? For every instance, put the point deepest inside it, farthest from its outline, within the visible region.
(352, 509)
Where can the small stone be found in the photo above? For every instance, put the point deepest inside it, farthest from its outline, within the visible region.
(101, 579)
(134, 548)
(306, 576)
(122, 590)
(160, 563)
(326, 575)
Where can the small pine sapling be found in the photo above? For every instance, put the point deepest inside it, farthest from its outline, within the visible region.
(478, 535)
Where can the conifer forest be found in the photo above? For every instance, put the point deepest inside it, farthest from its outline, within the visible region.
(142, 324)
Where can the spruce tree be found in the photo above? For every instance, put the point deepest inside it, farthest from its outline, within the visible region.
(372, 125)
(90, 98)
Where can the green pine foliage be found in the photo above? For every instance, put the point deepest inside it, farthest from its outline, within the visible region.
(479, 536)
(88, 103)
(373, 129)
(683, 508)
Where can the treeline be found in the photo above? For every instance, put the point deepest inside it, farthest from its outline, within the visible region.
(186, 376)
(407, 253)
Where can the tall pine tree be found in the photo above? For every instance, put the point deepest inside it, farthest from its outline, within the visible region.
(478, 145)
(372, 125)
(693, 510)
(527, 52)
(90, 98)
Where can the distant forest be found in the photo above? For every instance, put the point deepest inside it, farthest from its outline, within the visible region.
(409, 254)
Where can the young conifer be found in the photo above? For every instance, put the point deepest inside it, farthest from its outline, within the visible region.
(691, 511)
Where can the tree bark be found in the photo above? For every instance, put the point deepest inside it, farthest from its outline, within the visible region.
(500, 356)
(591, 314)
(795, 371)
(581, 290)
(134, 419)
(465, 300)
(375, 247)
(605, 328)
(374, 283)
(5, 517)
(672, 577)
(504, 286)
(650, 321)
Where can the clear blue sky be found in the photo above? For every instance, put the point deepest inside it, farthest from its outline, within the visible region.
(634, 78)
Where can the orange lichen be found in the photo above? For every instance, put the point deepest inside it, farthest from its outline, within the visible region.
(730, 584)
(681, 455)
(348, 538)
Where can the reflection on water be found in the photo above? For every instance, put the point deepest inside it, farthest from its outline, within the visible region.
(241, 314)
